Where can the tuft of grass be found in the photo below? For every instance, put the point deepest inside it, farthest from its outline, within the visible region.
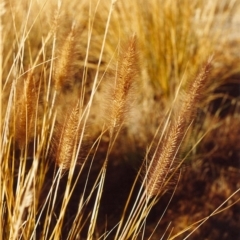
(99, 110)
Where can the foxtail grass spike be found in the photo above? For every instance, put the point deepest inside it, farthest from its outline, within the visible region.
(26, 111)
(66, 139)
(63, 66)
(163, 160)
(123, 87)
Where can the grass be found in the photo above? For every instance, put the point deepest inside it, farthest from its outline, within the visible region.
(119, 120)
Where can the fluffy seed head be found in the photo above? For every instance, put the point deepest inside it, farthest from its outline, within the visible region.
(123, 87)
(67, 138)
(162, 162)
(63, 67)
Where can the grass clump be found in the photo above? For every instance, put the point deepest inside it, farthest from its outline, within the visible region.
(101, 115)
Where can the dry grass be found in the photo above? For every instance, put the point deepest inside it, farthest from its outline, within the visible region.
(164, 157)
(102, 105)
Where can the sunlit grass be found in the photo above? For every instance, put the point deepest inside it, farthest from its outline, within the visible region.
(87, 85)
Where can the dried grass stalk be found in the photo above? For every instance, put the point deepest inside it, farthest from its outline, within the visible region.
(165, 154)
(23, 203)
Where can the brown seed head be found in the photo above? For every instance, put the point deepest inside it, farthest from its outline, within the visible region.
(123, 87)
(164, 158)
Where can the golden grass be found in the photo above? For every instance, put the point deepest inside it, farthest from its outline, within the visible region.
(123, 86)
(164, 157)
(87, 85)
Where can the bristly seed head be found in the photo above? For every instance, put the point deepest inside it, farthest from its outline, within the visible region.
(165, 154)
(123, 87)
